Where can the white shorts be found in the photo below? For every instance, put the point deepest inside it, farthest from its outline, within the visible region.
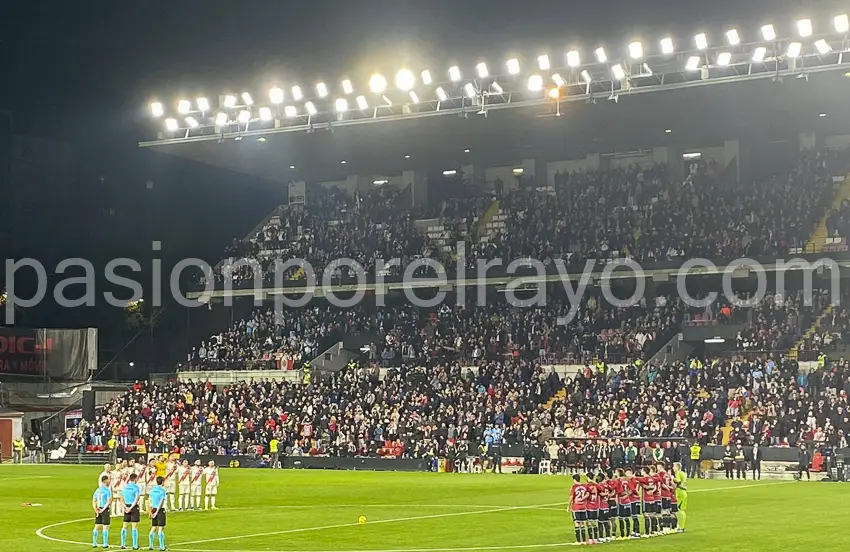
(212, 490)
(184, 490)
(170, 487)
(196, 490)
(143, 489)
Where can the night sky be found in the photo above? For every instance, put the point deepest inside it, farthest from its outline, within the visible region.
(99, 62)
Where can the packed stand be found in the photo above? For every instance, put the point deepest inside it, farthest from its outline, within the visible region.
(642, 213)
(406, 413)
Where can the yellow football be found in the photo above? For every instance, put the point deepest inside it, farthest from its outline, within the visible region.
(361, 520)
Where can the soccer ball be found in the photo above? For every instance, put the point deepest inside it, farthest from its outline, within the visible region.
(361, 520)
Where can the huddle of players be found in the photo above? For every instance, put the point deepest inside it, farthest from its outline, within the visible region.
(610, 501)
(191, 481)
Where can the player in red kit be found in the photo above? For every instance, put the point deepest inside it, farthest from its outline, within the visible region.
(668, 496)
(624, 505)
(579, 496)
(592, 509)
(635, 489)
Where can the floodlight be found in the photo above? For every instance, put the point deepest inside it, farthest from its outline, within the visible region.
(618, 72)
(823, 46)
(386, 100)
(426, 77)
(297, 94)
(377, 83)
(404, 80)
(470, 90)
(184, 106)
(732, 37)
(341, 105)
(496, 87)
(724, 58)
(804, 27)
(276, 95)
(449, 173)
(192, 122)
(585, 76)
(414, 97)
(311, 108)
(265, 114)
(636, 50)
(347, 87)
(454, 73)
(559, 80)
(203, 104)
(759, 53)
(794, 50)
(290, 111)
(229, 101)
(481, 69)
(221, 118)
(535, 83)
(768, 32)
(362, 104)
(157, 110)
(246, 97)
(554, 93)
(171, 124)
(667, 45)
(322, 90)
(441, 94)
(842, 23)
(693, 63)
(701, 41)
(244, 116)
(573, 58)
(513, 66)
(543, 62)
(601, 56)
(380, 182)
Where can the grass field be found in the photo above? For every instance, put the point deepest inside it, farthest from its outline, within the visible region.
(317, 511)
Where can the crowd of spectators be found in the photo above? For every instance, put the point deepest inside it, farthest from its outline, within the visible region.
(639, 212)
(444, 409)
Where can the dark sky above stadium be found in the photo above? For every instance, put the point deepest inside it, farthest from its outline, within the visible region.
(100, 62)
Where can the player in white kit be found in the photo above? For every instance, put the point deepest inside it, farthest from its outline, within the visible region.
(183, 484)
(107, 472)
(171, 482)
(141, 470)
(196, 475)
(211, 479)
(150, 476)
(116, 482)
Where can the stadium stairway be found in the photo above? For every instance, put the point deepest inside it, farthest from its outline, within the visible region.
(486, 218)
(794, 352)
(560, 395)
(818, 238)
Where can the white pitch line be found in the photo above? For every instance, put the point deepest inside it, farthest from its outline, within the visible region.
(40, 531)
(355, 524)
(2, 479)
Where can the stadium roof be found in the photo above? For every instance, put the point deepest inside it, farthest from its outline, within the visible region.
(763, 111)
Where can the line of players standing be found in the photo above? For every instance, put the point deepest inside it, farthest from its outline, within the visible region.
(193, 482)
(608, 506)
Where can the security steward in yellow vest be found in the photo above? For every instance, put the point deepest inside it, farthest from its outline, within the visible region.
(694, 470)
(18, 451)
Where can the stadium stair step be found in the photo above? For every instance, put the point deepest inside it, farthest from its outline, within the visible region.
(485, 218)
(818, 238)
(794, 352)
(559, 396)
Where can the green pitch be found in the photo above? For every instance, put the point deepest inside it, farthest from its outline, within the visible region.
(318, 511)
